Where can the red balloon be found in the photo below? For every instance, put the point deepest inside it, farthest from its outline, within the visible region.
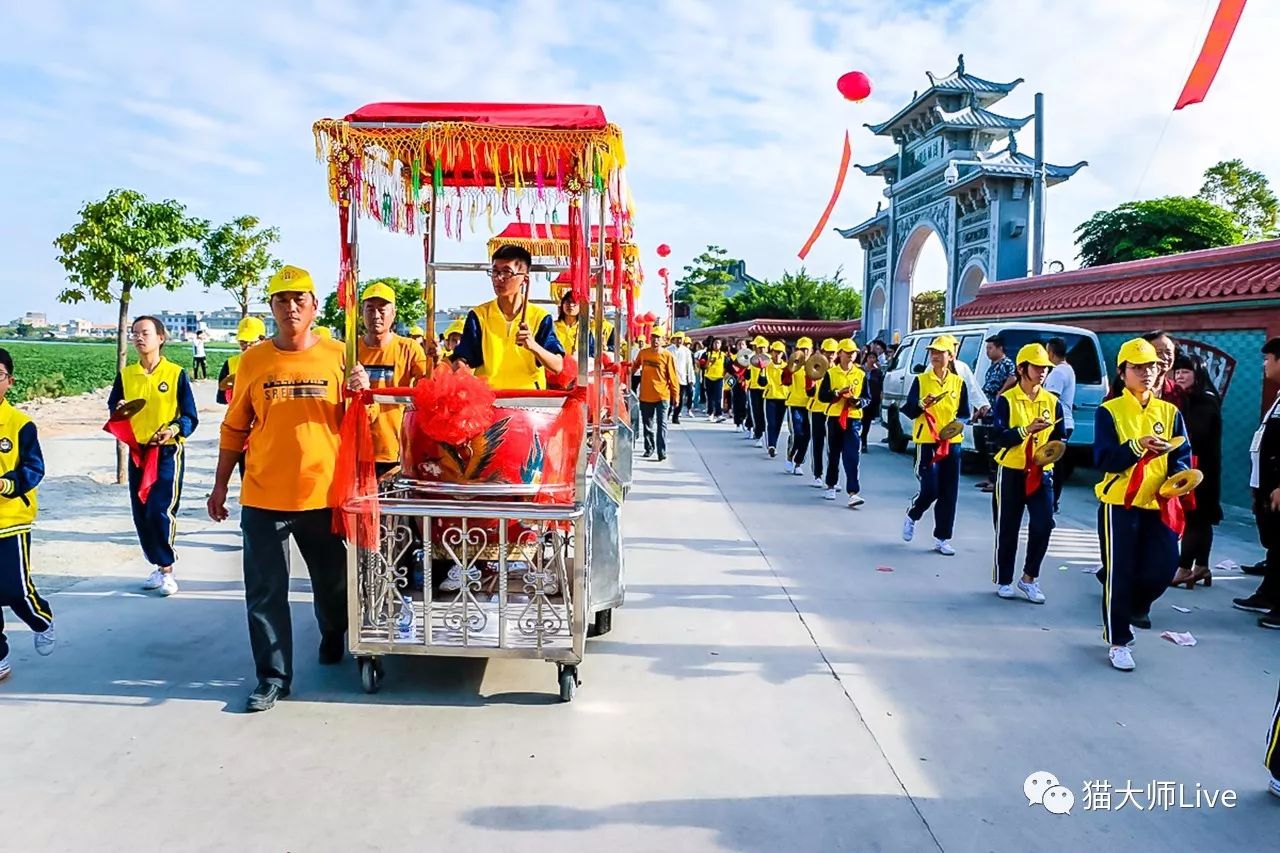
(664, 250)
(855, 86)
(662, 273)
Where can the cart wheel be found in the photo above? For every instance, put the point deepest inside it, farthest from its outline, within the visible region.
(370, 674)
(568, 683)
(601, 624)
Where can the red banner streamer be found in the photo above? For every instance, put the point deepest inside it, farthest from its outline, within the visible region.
(1211, 54)
(835, 194)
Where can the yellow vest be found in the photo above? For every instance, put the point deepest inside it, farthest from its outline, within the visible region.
(506, 365)
(1134, 421)
(233, 362)
(567, 335)
(773, 388)
(1022, 411)
(944, 410)
(853, 379)
(715, 364)
(798, 395)
(16, 513)
(160, 389)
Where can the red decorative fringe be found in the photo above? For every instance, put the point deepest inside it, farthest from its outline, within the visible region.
(454, 406)
(355, 475)
(579, 257)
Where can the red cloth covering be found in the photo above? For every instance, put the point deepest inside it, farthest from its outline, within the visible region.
(355, 475)
(146, 457)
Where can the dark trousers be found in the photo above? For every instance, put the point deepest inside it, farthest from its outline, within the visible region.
(266, 582)
(741, 411)
(868, 418)
(684, 403)
(940, 485)
(715, 397)
(1197, 542)
(774, 413)
(18, 590)
(984, 444)
(654, 418)
(1273, 742)
(1058, 482)
(157, 520)
(818, 438)
(799, 420)
(844, 446)
(699, 393)
(199, 367)
(757, 413)
(1139, 558)
(1269, 536)
(1008, 502)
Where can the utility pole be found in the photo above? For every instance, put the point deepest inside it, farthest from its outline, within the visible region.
(1037, 192)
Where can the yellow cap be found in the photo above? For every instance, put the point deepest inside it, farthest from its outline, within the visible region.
(249, 329)
(416, 332)
(1137, 351)
(290, 279)
(805, 343)
(379, 291)
(944, 343)
(759, 341)
(1034, 354)
(829, 345)
(323, 331)
(659, 331)
(846, 345)
(777, 346)
(454, 328)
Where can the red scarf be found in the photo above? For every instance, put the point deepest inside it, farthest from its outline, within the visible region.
(146, 457)
(942, 448)
(1034, 473)
(1171, 511)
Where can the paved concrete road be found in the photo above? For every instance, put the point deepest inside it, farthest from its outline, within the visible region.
(765, 689)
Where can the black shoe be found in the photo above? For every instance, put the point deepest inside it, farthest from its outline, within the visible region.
(1101, 575)
(1254, 604)
(264, 697)
(648, 453)
(662, 457)
(1140, 620)
(675, 420)
(1258, 569)
(333, 648)
(1270, 620)
(773, 451)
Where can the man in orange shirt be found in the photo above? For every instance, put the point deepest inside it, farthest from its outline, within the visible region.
(288, 406)
(658, 387)
(390, 362)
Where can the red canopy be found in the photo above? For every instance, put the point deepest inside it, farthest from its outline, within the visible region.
(550, 116)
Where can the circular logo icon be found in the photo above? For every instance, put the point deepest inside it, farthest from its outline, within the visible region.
(1159, 429)
(163, 386)
(5, 445)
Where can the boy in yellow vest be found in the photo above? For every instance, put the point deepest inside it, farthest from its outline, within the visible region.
(798, 387)
(21, 469)
(844, 391)
(818, 420)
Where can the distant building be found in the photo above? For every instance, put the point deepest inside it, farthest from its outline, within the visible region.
(34, 319)
(739, 278)
(219, 325)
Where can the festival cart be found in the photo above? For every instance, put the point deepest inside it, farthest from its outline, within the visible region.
(499, 539)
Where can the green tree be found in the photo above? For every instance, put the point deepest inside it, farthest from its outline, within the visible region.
(125, 243)
(796, 296)
(1246, 193)
(410, 307)
(1148, 229)
(704, 284)
(236, 256)
(928, 309)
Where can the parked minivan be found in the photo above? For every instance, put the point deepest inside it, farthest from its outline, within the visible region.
(1083, 353)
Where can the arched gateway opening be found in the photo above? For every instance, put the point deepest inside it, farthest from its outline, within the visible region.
(920, 281)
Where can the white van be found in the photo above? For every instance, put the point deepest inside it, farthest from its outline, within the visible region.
(1083, 353)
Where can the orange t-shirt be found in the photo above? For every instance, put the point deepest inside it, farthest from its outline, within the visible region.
(288, 406)
(658, 382)
(399, 364)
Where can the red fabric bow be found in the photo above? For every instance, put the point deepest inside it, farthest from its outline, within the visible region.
(942, 449)
(1171, 513)
(146, 457)
(1034, 473)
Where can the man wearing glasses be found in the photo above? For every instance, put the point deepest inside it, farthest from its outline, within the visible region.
(508, 340)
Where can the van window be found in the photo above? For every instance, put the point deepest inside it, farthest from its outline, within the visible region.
(970, 346)
(920, 355)
(900, 357)
(1082, 353)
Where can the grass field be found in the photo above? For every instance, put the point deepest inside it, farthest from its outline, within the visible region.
(66, 369)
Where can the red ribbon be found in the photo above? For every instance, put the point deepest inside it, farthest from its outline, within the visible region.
(1211, 53)
(1171, 513)
(1136, 478)
(835, 195)
(942, 449)
(1035, 474)
(355, 475)
(146, 457)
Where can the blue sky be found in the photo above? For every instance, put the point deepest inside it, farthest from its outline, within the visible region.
(732, 122)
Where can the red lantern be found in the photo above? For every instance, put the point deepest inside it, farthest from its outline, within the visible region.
(662, 273)
(855, 86)
(664, 250)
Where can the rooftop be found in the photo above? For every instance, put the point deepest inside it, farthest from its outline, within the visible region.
(958, 82)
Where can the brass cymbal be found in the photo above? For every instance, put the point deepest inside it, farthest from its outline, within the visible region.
(128, 409)
(1181, 483)
(743, 359)
(796, 362)
(950, 431)
(759, 361)
(1050, 453)
(816, 366)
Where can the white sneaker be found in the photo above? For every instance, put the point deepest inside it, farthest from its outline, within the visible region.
(856, 500)
(797, 470)
(1031, 592)
(760, 442)
(790, 467)
(154, 580)
(452, 581)
(168, 584)
(1006, 591)
(829, 495)
(818, 483)
(1274, 787)
(1121, 658)
(44, 641)
(4, 668)
(908, 529)
(943, 547)
(405, 627)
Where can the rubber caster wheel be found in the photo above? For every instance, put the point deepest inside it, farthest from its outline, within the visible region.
(370, 674)
(601, 624)
(568, 683)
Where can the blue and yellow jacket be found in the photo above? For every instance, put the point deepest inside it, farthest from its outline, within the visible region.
(1120, 422)
(21, 470)
(1014, 410)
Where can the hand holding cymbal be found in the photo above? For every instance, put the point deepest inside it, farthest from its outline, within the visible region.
(127, 409)
(1181, 483)
(1050, 453)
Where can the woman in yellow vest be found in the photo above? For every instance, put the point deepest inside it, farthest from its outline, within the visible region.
(844, 391)
(714, 366)
(1136, 445)
(937, 397)
(818, 420)
(566, 326)
(756, 383)
(798, 390)
(775, 395)
(166, 420)
(1027, 417)
(249, 331)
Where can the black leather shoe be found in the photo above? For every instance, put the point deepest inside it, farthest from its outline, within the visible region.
(1253, 603)
(264, 697)
(1140, 620)
(1257, 569)
(333, 648)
